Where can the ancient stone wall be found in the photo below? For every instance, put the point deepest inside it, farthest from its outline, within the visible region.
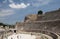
(53, 26)
(52, 15)
(50, 21)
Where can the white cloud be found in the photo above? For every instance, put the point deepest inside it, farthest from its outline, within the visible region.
(4, 13)
(22, 5)
(18, 6)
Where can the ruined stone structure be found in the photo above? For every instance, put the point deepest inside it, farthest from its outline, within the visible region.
(48, 22)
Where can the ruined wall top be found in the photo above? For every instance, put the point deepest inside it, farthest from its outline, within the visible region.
(51, 15)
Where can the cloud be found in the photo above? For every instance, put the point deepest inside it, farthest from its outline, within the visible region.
(40, 2)
(1, 18)
(4, 1)
(22, 5)
(11, 1)
(4, 13)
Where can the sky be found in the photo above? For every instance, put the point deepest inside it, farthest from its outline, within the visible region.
(12, 11)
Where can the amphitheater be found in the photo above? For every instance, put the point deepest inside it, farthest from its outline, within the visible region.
(37, 26)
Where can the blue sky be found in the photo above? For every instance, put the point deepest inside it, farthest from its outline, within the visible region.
(12, 11)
